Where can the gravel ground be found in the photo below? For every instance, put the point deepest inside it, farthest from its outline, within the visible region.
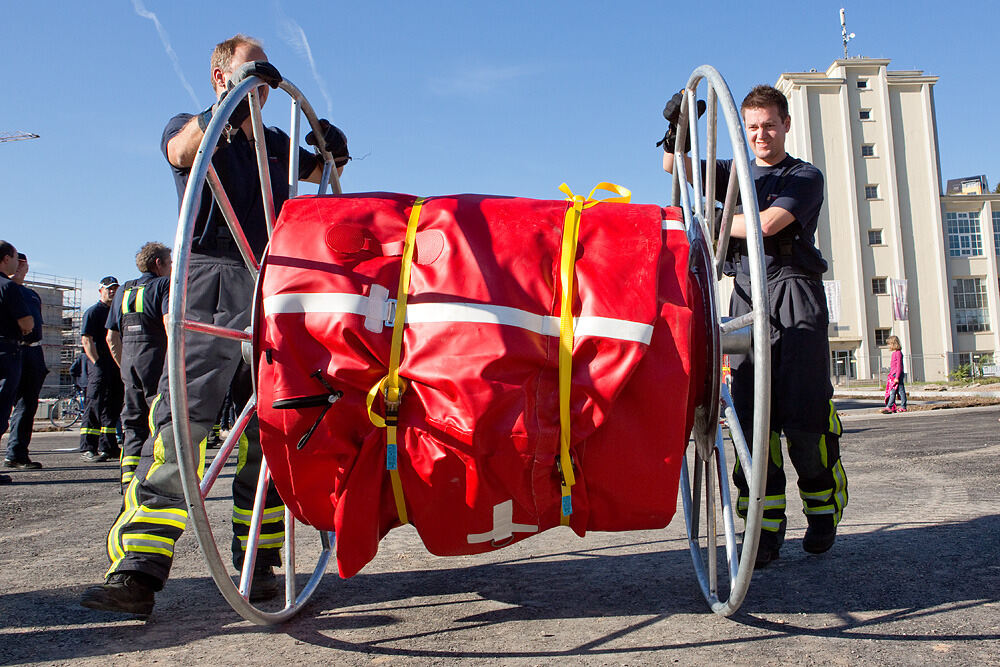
(913, 579)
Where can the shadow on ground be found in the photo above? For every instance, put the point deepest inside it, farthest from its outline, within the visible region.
(869, 581)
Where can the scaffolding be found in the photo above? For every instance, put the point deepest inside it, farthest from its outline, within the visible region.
(61, 317)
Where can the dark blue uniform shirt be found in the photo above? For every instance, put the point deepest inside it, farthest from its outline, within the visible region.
(235, 161)
(93, 325)
(34, 304)
(12, 308)
(143, 302)
(796, 186)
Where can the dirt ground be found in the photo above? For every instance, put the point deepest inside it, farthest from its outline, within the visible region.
(913, 579)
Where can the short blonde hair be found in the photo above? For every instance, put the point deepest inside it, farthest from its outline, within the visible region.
(222, 55)
(893, 343)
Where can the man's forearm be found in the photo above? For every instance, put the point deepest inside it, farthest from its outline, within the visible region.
(89, 348)
(183, 146)
(115, 345)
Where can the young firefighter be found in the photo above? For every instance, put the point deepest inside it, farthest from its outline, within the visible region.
(790, 194)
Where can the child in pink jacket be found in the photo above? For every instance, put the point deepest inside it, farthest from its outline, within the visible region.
(894, 387)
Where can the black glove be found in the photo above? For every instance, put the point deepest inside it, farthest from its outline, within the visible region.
(240, 113)
(334, 140)
(262, 69)
(672, 112)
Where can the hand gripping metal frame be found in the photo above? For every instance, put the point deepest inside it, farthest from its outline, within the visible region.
(196, 490)
(746, 334)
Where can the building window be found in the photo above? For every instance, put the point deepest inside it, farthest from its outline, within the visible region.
(965, 238)
(969, 298)
(880, 286)
(871, 192)
(882, 337)
(862, 84)
(996, 234)
(874, 237)
(844, 365)
(867, 150)
(865, 114)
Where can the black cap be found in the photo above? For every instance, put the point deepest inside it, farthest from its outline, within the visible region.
(108, 281)
(21, 257)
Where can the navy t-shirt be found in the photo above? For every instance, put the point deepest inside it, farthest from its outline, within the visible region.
(12, 308)
(235, 162)
(34, 304)
(155, 295)
(796, 186)
(93, 325)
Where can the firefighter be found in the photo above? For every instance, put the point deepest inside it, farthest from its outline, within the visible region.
(33, 372)
(15, 322)
(103, 405)
(137, 337)
(790, 195)
(219, 290)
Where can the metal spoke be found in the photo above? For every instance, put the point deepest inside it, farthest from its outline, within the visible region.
(219, 461)
(253, 535)
(216, 330)
(725, 499)
(736, 323)
(710, 151)
(711, 530)
(293, 150)
(229, 215)
(289, 557)
(728, 209)
(263, 168)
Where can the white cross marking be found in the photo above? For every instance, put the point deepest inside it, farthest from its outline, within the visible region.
(503, 525)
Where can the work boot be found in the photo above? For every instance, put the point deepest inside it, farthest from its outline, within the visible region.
(264, 585)
(23, 465)
(126, 592)
(767, 549)
(820, 535)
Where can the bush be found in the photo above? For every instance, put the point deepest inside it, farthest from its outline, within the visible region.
(961, 373)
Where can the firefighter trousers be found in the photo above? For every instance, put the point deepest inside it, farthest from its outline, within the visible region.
(142, 539)
(101, 411)
(801, 405)
(142, 363)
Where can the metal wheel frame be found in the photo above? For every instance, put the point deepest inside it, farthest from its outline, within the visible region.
(188, 454)
(710, 483)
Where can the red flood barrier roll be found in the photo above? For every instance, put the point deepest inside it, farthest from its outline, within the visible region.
(478, 462)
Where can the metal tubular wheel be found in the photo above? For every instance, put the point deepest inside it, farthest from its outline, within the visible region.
(196, 490)
(708, 487)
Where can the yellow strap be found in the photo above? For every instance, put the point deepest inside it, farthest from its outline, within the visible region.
(571, 233)
(392, 386)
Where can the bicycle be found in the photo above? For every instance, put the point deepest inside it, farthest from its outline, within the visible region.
(68, 410)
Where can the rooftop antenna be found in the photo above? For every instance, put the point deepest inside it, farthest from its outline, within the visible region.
(843, 31)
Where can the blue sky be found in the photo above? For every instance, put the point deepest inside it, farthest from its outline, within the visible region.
(436, 98)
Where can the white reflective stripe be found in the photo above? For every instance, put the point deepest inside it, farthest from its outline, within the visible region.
(673, 225)
(468, 313)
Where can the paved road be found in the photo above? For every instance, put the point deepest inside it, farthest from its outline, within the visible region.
(913, 579)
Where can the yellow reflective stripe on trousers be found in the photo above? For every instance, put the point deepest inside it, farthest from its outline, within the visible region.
(167, 516)
(269, 515)
(266, 541)
(115, 552)
(150, 544)
(152, 408)
(567, 271)
(130, 460)
(774, 502)
(836, 427)
(90, 431)
(109, 430)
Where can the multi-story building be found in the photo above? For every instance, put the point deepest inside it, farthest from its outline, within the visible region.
(61, 329)
(905, 259)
